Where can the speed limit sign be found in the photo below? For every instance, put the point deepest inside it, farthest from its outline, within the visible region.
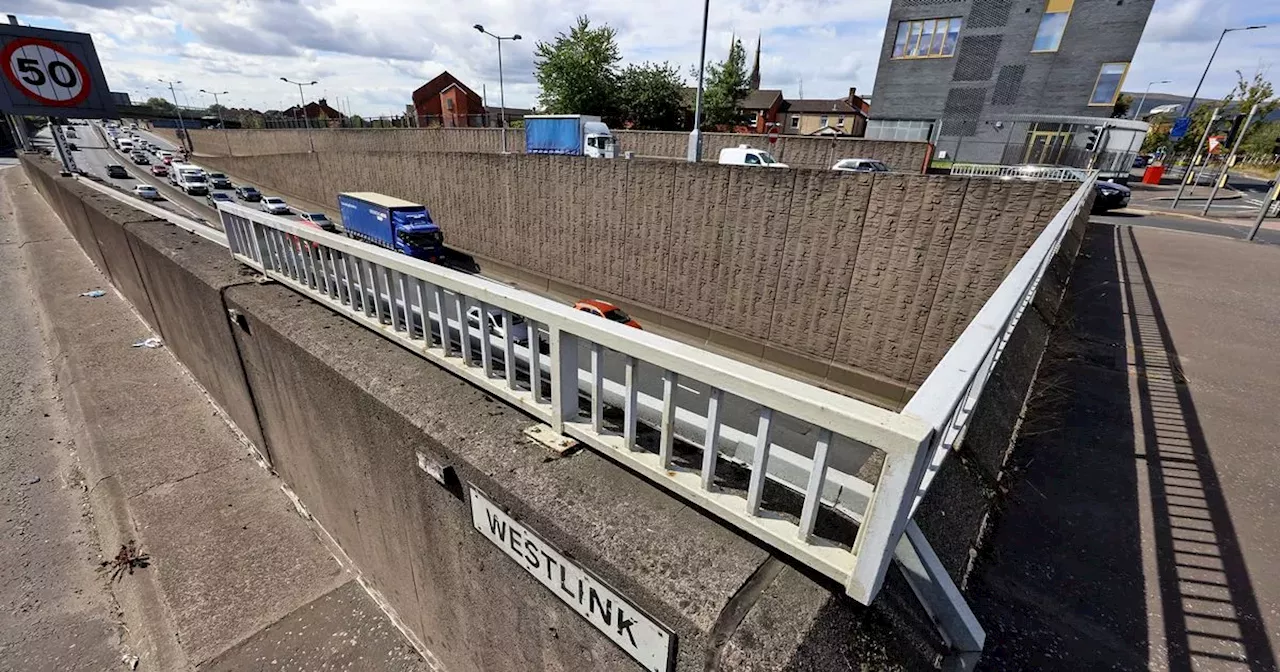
(51, 72)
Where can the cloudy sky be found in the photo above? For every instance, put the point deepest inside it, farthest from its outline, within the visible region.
(369, 55)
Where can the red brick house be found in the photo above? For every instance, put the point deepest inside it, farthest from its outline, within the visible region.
(761, 107)
(446, 101)
(315, 110)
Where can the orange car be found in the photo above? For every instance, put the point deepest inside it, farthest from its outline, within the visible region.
(606, 310)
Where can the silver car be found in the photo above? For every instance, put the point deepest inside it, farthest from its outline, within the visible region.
(147, 192)
(519, 329)
(861, 166)
(274, 205)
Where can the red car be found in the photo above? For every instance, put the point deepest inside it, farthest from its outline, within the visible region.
(160, 170)
(606, 310)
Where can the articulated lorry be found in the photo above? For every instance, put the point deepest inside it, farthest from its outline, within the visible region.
(392, 223)
(568, 135)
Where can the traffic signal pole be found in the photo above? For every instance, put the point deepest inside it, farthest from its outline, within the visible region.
(1231, 158)
(1196, 157)
(1267, 203)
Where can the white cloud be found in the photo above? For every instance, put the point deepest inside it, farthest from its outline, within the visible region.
(373, 54)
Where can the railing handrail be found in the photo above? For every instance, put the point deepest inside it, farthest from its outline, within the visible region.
(960, 376)
(1057, 173)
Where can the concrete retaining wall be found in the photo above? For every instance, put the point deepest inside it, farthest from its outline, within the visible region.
(861, 281)
(794, 150)
(346, 417)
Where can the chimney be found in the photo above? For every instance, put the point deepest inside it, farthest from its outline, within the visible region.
(853, 93)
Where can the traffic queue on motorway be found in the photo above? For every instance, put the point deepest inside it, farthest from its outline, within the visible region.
(378, 219)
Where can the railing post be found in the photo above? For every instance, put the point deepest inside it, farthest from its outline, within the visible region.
(564, 378)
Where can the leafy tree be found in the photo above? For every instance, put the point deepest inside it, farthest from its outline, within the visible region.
(728, 84)
(652, 97)
(1247, 94)
(1123, 104)
(160, 104)
(578, 72)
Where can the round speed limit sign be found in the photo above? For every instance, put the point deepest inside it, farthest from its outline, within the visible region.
(45, 72)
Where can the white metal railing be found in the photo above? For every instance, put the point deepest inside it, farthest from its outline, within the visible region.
(1055, 173)
(947, 398)
(586, 376)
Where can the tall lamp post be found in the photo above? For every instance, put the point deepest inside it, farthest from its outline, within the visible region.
(1192, 103)
(303, 102)
(694, 153)
(182, 125)
(1138, 110)
(502, 94)
(221, 123)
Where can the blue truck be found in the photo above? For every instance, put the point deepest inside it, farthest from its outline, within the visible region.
(393, 223)
(568, 135)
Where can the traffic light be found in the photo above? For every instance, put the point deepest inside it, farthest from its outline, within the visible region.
(1095, 138)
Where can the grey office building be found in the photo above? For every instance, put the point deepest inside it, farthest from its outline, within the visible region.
(1004, 81)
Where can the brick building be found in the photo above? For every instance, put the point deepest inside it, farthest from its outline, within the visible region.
(446, 101)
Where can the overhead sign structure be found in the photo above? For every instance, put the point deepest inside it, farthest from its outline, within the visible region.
(650, 643)
(1180, 127)
(52, 73)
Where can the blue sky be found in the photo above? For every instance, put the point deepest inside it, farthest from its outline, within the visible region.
(368, 57)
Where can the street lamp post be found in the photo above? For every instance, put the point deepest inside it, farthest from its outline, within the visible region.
(502, 94)
(221, 123)
(303, 102)
(1138, 110)
(182, 125)
(1192, 103)
(694, 153)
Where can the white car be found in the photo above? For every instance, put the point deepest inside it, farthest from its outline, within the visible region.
(274, 205)
(861, 166)
(744, 155)
(519, 330)
(147, 192)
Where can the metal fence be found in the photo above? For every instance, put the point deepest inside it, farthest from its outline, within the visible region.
(489, 120)
(1055, 173)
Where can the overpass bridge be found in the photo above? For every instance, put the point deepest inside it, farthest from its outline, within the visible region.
(828, 483)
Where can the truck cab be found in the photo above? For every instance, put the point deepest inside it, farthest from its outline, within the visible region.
(599, 142)
(391, 223)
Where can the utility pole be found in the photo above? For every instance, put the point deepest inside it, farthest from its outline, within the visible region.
(182, 125)
(1196, 157)
(1267, 204)
(303, 102)
(1231, 158)
(502, 92)
(694, 153)
(1138, 110)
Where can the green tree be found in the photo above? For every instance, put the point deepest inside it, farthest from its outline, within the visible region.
(651, 97)
(578, 72)
(1121, 109)
(1249, 92)
(728, 84)
(158, 103)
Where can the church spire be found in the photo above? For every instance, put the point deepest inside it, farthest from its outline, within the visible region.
(755, 69)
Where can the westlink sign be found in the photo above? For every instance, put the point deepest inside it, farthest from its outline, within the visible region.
(650, 644)
(52, 73)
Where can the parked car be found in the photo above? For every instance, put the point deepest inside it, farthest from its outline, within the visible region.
(320, 220)
(274, 205)
(519, 329)
(141, 159)
(1141, 161)
(219, 181)
(606, 310)
(117, 171)
(247, 193)
(216, 197)
(160, 170)
(146, 191)
(71, 147)
(1109, 196)
(861, 166)
(744, 155)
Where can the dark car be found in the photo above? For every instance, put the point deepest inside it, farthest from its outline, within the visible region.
(216, 197)
(1109, 196)
(1141, 161)
(219, 181)
(117, 171)
(247, 193)
(141, 159)
(71, 147)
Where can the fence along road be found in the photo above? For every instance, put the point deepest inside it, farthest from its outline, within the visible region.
(567, 375)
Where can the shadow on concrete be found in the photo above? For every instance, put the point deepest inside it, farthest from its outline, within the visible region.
(1116, 550)
(1211, 615)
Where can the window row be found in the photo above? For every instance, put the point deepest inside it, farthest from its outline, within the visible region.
(928, 38)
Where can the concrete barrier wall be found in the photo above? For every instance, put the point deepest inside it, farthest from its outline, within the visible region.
(347, 417)
(794, 150)
(859, 280)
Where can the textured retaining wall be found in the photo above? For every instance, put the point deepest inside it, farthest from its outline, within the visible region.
(346, 415)
(860, 280)
(794, 150)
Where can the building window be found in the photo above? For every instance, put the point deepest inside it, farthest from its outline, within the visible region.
(795, 121)
(840, 122)
(899, 129)
(1050, 34)
(1107, 88)
(929, 38)
(822, 121)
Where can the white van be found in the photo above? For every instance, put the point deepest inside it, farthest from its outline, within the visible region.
(125, 144)
(744, 155)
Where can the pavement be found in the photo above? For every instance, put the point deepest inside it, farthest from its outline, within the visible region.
(1238, 202)
(132, 451)
(1141, 531)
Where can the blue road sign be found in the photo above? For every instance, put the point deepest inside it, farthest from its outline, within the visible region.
(1180, 127)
